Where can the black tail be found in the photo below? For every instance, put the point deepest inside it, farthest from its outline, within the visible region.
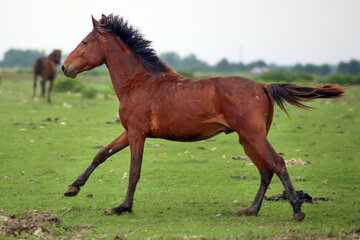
(293, 94)
(39, 66)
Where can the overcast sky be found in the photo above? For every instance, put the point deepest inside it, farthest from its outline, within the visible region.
(277, 31)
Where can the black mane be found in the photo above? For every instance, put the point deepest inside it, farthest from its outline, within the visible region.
(135, 41)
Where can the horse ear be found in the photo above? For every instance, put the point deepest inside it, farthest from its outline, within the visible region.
(94, 22)
(103, 20)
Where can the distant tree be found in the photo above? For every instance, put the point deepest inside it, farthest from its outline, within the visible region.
(324, 69)
(353, 67)
(191, 62)
(240, 66)
(223, 66)
(173, 59)
(310, 68)
(256, 64)
(21, 58)
(298, 68)
(342, 67)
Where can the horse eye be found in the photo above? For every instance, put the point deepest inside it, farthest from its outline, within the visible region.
(84, 43)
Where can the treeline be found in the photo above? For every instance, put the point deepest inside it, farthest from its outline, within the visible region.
(306, 78)
(25, 59)
(20, 58)
(192, 63)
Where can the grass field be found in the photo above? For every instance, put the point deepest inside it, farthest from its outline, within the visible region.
(186, 190)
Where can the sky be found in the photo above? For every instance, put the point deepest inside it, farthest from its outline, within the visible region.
(277, 31)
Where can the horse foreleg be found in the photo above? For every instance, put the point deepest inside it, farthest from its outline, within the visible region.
(50, 90)
(137, 148)
(118, 144)
(43, 82)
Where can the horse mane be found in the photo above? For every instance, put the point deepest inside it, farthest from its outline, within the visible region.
(135, 41)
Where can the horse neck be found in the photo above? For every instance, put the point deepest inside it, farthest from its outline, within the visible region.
(52, 59)
(125, 69)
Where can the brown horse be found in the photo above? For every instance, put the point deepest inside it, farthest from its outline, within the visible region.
(156, 102)
(46, 68)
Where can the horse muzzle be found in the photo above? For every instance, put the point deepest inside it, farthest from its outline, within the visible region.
(68, 71)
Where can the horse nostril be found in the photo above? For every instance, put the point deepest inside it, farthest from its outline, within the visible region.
(63, 68)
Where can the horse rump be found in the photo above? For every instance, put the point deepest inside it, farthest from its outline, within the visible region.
(293, 94)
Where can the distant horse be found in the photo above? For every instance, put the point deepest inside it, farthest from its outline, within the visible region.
(46, 68)
(156, 102)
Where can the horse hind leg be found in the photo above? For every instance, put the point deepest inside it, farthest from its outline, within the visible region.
(118, 144)
(268, 161)
(266, 175)
(34, 85)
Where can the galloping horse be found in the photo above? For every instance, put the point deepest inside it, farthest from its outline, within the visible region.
(46, 68)
(157, 102)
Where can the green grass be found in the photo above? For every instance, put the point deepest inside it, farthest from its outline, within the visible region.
(191, 196)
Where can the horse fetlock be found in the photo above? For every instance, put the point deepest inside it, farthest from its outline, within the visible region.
(71, 191)
(298, 217)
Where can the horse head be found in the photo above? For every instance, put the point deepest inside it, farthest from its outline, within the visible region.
(88, 54)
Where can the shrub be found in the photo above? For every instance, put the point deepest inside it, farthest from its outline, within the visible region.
(276, 76)
(67, 84)
(99, 71)
(89, 92)
(303, 76)
(186, 73)
(343, 79)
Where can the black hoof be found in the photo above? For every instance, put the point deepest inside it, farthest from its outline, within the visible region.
(72, 191)
(117, 211)
(299, 217)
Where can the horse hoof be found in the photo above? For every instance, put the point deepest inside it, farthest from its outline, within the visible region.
(111, 212)
(117, 211)
(298, 217)
(246, 212)
(72, 191)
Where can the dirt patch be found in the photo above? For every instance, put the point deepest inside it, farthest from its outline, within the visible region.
(292, 234)
(244, 177)
(240, 158)
(304, 197)
(296, 161)
(36, 223)
(39, 224)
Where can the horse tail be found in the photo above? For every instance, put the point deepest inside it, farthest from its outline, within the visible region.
(38, 66)
(293, 94)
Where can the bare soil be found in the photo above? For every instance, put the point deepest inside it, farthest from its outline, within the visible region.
(39, 224)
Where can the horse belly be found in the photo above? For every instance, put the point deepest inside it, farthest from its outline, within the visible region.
(186, 130)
